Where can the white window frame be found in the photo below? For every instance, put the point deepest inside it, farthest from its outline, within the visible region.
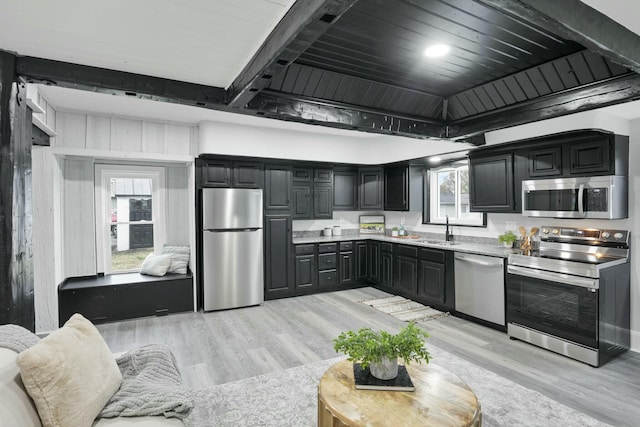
(434, 198)
(103, 175)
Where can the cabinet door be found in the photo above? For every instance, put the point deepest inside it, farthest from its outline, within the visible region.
(432, 282)
(277, 188)
(302, 175)
(370, 189)
(347, 268)
(302, 204)
(324, 176)
(590, 156)
(322, 198)
(277, 254)
(373, 261)
(248, 175)
(361, 260)
(396, 188)
(386, 269)
(491, 183)
(305, 267)
(216, 173)
(545, 162)
(345, 194)
(407, 275)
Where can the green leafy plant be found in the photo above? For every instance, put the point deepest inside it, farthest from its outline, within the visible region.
(508, 238)
(366, 345)
(394, 229)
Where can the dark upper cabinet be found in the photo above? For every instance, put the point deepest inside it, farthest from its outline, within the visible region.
(491, 183)
(345, 189)
(589, 156)
(277, 187)
(545, 162)
(370, 188)
(231, 174)
(216, 173)
(301, 202)
(312, 193)
(396, 188)
(277, 255)
(362, 257)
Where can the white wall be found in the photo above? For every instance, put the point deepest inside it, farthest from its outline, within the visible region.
(254, 141)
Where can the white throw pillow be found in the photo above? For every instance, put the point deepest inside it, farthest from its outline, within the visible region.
(70, 374)
(156, 265)
(179, 256)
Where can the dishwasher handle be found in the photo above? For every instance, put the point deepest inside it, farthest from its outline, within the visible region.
(474, 261)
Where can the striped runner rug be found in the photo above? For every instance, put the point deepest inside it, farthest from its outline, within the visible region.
(405, 309)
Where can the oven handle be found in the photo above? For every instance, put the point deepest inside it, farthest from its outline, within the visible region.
(554, 277)
(581, 200)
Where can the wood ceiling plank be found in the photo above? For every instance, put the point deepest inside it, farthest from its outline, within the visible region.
(301, 26)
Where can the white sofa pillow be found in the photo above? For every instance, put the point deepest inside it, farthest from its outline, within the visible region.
(179, 258)
(156, 265)
(70, 374)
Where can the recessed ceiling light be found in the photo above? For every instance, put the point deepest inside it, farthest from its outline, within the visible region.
(437, 50)
(435, 159)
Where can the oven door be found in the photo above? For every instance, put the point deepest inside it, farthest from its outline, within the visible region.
(557, 304)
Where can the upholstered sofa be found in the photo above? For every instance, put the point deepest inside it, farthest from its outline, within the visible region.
(71, 378)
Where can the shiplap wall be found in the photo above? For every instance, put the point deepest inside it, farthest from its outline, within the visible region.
(64, 217)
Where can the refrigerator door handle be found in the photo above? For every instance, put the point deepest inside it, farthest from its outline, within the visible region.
(227, 230)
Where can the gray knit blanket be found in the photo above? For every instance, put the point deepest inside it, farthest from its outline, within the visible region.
(17, 338)
(151, 385)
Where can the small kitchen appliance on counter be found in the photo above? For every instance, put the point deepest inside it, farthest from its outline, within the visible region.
(572, 296)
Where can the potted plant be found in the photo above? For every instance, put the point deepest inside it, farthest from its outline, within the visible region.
(507, 239)
(380, 350)
(394, 232)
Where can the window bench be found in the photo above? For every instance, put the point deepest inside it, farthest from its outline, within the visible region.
(124, 296)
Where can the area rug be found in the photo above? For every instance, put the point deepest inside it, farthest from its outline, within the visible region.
(288, 398)
(405, 309)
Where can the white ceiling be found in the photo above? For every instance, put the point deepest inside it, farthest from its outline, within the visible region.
(199, 41)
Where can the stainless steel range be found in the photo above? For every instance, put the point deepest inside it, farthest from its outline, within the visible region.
(572, 296)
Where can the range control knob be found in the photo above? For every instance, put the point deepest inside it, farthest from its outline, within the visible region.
(545, 231)
(555, 231)
(606, 234)
(618, 236)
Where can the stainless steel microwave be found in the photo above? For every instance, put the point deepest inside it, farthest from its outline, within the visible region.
(603, 197)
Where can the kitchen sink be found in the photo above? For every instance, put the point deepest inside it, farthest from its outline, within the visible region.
(438, 242)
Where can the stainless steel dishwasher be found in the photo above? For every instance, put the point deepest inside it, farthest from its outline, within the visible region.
(480, 287)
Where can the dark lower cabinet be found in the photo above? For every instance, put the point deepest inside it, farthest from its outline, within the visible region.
(305, 267)
(431, 282)
(277, 255)
(373, 261)
(386, 269)
(347, 267)
(362, 257)
(406, 274)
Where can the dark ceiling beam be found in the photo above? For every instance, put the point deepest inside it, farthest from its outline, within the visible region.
(613, 91)
(574, 20)
(301, 109)
(301, 26)
(94, 79)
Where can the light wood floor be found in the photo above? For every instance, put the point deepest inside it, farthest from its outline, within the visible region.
(218, 347)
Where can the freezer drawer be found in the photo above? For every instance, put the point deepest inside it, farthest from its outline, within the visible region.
(232, 269)
(480, 287)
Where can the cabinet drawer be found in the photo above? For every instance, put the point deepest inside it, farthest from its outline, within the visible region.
(434, 255)
(408, 251)
(386, 247)
(327, 261)
(305, 249)
(346, 246)
(324, 248)
(328, 278)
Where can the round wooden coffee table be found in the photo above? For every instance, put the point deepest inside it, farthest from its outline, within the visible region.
(440, 399)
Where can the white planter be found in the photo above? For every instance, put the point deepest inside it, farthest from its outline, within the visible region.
(386, 369)
(507, 244)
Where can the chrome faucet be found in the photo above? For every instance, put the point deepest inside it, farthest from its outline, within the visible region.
(447, 235)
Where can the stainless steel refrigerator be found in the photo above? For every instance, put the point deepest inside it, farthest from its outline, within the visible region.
(232, 261)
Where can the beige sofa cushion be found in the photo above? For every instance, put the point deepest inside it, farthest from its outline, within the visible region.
(70, 374)
(16, 407)
(138, 422)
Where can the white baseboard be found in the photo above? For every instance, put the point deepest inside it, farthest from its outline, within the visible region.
(635, 341)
